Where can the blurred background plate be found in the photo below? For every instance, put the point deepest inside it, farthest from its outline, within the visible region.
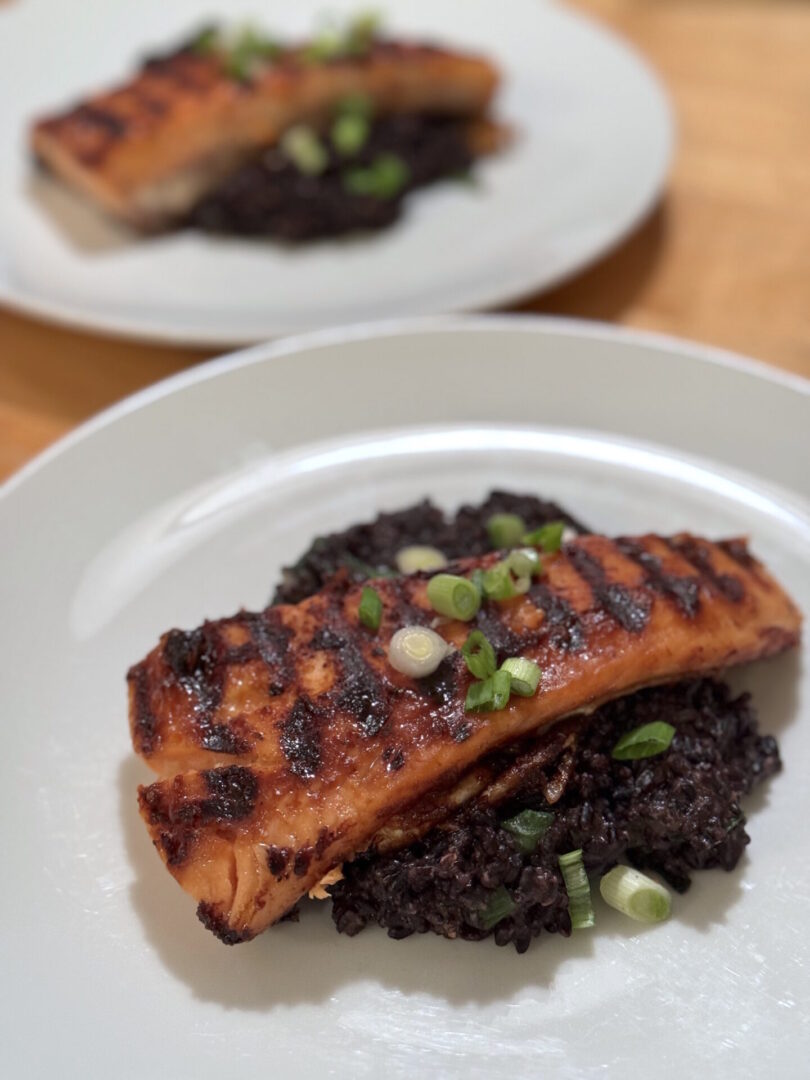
(595, 139)
(184, 502)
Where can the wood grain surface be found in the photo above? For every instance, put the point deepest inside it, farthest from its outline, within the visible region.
(724, 258)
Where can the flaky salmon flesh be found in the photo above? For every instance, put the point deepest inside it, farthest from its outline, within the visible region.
(149, 150)
(286, 743)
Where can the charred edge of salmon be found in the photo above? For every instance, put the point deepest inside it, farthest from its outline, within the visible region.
(214, 920)
(198, 660)
(176, 816)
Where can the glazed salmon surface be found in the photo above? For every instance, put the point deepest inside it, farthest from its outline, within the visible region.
(148, 150)
(286, 743)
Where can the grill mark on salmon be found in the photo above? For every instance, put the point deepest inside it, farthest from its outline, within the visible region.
(362, 694)
(564, 627)
(683, 590)
(503, 639)
(228, 795)
(144, 722)
(628, 607)
(301, 738)
(322, 788)
(112, 124)
(698, 554)
(271, 641)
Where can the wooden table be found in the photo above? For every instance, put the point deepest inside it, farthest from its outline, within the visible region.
(725, 258)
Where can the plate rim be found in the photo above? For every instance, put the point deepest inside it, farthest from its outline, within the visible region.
(180, 335)
(267, 351)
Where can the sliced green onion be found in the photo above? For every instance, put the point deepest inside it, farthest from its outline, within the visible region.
(329, 44)
(578, 888)
(356, 105)
(528, 828)
(479, 655)
(206, 41)
(525, 675)
(635, 894)
(349, 133)
(416, 557)
(453, 596)
(502, 688)
(332, 43)
(505, 530)
(499, 583)
(477, 579)
(238, 66)
(306, 151)
(490, 695)
(524, 562)
(383, 179)
(370, 610)
(500, 906)
(253, 42)
(361, 32)
(248, 49)
(645, 741)
(417, 651)
(548, 537)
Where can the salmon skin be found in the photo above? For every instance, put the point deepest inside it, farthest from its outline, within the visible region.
(149, 150)
(286, 742)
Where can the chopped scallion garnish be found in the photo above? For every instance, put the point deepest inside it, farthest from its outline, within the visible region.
(524, 562)
(361, 32)
(305, 150)
(500, 906)
(479, 655)
(329, 44)
(206, 41)
(525, 675)
(370, 610)
(417, 651)
(578, 888)
(490, 695)
(528, 828)
(645, 741)
(349, 133)
(499, 583)
(332, 42)
(416, 557)
(548, 537)
(477, 579)
(356, 105)
(635, 894)
(505, 530)
(246, 51)
(453, 596)
(383, 179)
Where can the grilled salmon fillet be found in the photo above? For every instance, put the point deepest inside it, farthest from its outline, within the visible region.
(149, 150)
(286, 742)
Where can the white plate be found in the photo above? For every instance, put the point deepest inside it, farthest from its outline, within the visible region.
(595, 137)
(184, 502)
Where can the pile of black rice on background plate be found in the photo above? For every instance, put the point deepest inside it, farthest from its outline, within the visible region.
(471, 878)
(273, 197)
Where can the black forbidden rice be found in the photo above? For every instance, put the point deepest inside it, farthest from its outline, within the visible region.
(671, 814)
(372, 547)
(269, 196)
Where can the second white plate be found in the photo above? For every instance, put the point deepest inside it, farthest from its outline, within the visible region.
(184, 503)
(593, 146)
